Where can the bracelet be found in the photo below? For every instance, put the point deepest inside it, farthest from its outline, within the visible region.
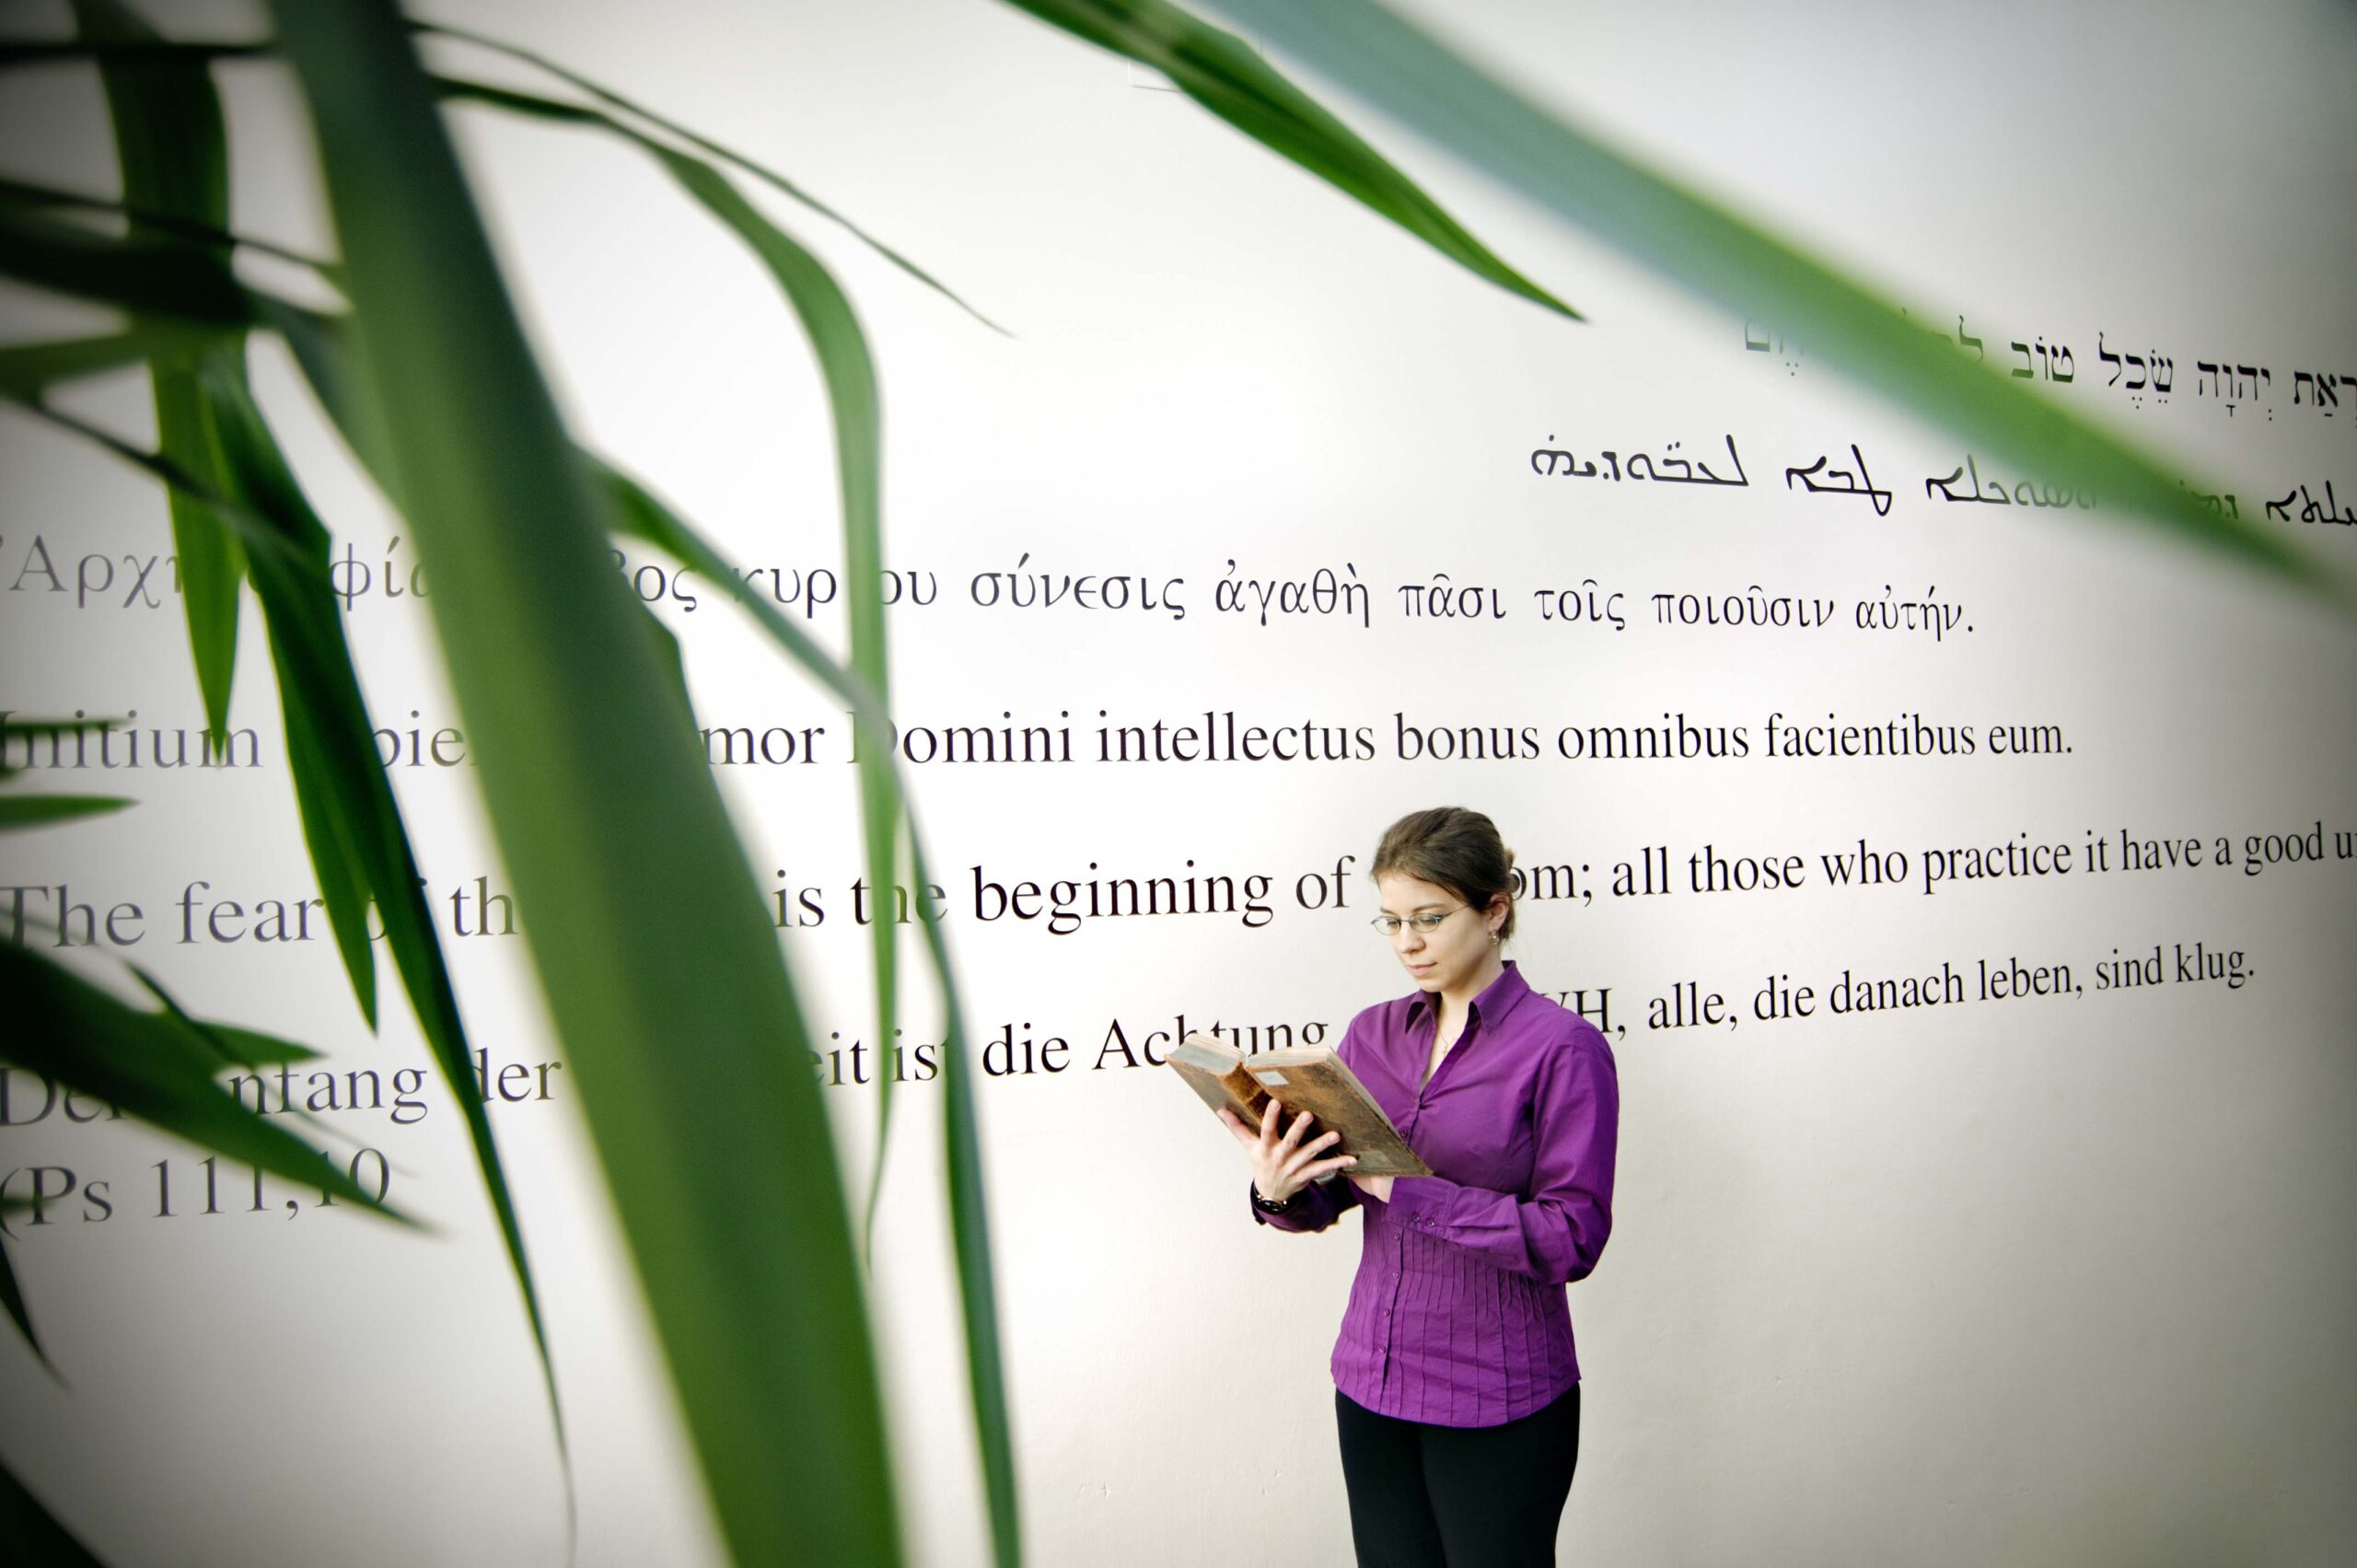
(1267, 1207)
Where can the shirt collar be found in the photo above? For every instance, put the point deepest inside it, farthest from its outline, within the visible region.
(1499, 998)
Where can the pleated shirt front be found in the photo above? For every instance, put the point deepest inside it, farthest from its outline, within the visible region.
(1458, 1315)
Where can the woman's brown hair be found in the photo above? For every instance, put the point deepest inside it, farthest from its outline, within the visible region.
(1452, 847)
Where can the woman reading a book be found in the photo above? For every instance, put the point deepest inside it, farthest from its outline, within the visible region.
(1457, 1391)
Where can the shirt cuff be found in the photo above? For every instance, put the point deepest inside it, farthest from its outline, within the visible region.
(1312, 1208)
(1426, 1203)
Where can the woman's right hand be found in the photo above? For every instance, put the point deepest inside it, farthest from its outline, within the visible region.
(1282, 1163)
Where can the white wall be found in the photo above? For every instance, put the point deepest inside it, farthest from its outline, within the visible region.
(2057, 1280)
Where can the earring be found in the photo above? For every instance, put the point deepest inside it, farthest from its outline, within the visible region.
(1493, 939)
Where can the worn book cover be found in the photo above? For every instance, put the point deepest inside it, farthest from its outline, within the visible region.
(1299, 1077)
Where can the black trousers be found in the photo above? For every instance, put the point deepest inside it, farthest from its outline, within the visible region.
(1426, 1496)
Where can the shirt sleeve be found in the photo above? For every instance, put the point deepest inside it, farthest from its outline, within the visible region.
(1557, 1233)
(1315, 1207)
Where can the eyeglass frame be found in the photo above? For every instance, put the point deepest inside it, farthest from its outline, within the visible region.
(1424, 921)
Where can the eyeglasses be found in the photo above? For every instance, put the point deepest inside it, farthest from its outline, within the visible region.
(1425, 923)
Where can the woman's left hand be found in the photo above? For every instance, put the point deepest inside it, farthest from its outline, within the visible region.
(1376, 1187)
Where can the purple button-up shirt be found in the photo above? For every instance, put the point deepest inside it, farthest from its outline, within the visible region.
(1458, 1317)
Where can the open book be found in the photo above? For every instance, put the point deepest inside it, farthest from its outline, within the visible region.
(1299, 1077)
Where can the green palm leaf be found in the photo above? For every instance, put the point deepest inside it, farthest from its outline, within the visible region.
(157, 1066)
(526, 103)
(30, 1536)
(660, 968)
(1577, 175)
(38, 810)
(13, 1299)
(36, 197)
(850, 374)
(154, 273)
(29, 370)
(1225, 75)
(174, 155)
(970, 1236)
(18, 52)
(642, 516)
